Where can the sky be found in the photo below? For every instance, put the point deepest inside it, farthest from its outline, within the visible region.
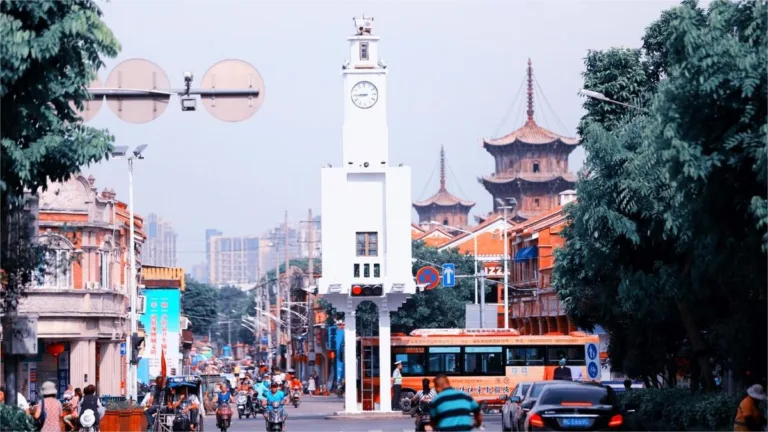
(455, 68)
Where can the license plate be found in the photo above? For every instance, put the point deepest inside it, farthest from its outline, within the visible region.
(576, 422)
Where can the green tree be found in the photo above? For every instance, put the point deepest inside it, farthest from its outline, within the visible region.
(200, 303)
(51, 50)
(235, 303)
(665, 244)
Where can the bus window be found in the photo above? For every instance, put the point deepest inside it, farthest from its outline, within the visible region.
(444, 360)
(413, 364)
(573, 354)
(483, 361)
(525, 356)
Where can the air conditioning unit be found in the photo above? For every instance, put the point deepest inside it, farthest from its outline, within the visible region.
(141, 304)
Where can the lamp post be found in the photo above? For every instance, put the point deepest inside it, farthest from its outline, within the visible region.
(482, 297)
(118, 152)
(503, 205)
(602, 97)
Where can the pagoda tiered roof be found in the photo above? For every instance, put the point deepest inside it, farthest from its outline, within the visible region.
(443, 198)
(527, 177)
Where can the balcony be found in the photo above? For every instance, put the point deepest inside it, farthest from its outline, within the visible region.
(53, 302)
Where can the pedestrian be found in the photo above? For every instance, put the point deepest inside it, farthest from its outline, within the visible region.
(451, 409)
(48, 411)
(397, 385)
(311, 385)
(72, 408)
(749, 414)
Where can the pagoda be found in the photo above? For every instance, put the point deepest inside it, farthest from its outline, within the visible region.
(531, 166)
(444, 207)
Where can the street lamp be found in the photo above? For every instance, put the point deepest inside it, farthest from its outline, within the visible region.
(599, 96)
(474, 237)
(504, 206)
(119, 152)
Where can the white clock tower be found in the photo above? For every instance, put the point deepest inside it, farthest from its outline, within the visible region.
(366, 208)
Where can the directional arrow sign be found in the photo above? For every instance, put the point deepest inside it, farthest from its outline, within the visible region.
(449, 275)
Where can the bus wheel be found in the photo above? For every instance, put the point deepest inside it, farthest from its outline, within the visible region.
(405, 399)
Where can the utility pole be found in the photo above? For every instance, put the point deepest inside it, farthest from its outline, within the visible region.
(288, 322)
(278, 302)
(310, 300)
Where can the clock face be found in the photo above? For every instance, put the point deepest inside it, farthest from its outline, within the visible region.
(364, 94)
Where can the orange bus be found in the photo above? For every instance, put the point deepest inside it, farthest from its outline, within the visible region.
(486, 363)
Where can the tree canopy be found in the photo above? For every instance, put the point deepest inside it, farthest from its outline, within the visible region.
(666, 244)
(199, 303)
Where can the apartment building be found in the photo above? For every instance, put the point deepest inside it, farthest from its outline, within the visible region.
(233, 260)
(160, 248)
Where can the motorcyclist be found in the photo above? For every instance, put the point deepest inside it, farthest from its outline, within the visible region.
(425, 391)
(278, 377)
(260, 387)
(295, 386)
(275, 395)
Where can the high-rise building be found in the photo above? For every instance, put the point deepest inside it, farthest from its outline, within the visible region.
(210, 232)
(233, 260)
(161, 242)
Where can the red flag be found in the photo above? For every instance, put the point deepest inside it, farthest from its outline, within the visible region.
(163, 367)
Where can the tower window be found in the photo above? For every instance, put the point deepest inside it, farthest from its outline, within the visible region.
(363, 50)
(536, 202)
(376, 270)
(536, 167)
(445, 221)
(367, 244)
(356, 272)
(366, 270)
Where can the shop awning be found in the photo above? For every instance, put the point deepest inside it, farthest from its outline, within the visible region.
(527, 253)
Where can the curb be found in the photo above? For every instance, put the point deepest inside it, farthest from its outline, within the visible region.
(396, 415)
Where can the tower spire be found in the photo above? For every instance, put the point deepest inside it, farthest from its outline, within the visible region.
(530, 94)
(442, 169)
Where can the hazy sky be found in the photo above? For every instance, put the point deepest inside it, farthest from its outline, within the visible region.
(454, 70)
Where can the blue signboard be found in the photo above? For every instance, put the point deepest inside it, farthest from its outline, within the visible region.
(122, 348)
(449, 275)
(163, 333)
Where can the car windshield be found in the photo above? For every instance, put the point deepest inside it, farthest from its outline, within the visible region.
(525, 388)
(576, 396)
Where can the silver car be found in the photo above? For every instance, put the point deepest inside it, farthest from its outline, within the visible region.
(512, 405)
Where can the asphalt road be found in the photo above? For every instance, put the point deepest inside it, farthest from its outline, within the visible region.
(311, 415)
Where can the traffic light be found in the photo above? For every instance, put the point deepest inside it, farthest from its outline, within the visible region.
(136, 345)
(367, 291)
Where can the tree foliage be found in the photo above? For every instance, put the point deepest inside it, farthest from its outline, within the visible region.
(199, 303)
(51, 51)
(234, 303)
(665, 246)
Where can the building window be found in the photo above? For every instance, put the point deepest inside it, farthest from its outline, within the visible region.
(58, 266)
(366, 270)
(536, 202)
(356, 272)
(106, 269)
(367, 244)
(445, 221)
(376, 270)
(536, 167)
(363, 50)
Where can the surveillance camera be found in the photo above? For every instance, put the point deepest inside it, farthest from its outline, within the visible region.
(188, 103)
(366, 164)
(188, 76)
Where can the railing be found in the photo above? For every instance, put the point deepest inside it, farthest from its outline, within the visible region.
(70, 302)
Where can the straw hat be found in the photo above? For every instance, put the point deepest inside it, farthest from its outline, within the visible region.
(756, 391)
(48, 388)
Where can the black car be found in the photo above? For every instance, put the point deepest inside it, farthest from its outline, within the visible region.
(563, 407)
(529, 399)
(509, 411)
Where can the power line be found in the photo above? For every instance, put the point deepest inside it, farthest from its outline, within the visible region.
(509, 109)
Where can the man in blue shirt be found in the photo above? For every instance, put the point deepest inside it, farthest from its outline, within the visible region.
(452, 410)
(276, 395)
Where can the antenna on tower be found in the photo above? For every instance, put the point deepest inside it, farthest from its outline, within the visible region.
(442, 169)
(530, 94)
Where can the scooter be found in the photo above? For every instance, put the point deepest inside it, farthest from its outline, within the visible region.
(243, 407)
(276, 418)
(224, 417)
(256, 407)
(87, 421)
(422, 419)
(295, 397)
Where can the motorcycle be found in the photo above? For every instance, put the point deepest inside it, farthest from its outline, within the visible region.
(256, 407)
(295, 397)
(422, 419)
(276, 418)
(243, 407)
(223, 417)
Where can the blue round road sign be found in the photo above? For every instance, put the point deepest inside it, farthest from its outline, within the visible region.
(592, 351)
(592, 370)
(428, 275)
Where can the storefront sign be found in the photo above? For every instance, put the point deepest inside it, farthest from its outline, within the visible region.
(161, 322)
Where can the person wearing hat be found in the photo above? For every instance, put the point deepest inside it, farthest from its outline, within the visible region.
(749, 414)
(397, 385)
(48, 411)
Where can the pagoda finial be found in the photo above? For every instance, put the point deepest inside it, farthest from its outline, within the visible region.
(530, 94)
(442, 169)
